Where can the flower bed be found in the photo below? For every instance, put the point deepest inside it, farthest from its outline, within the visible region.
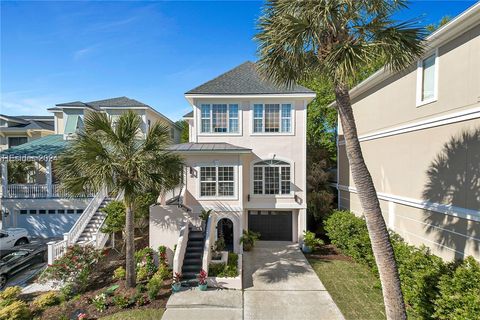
(226, 276)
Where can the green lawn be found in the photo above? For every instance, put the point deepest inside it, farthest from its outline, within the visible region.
(143, 314)
(353, 288)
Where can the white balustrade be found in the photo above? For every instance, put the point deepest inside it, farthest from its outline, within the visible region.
(209, 240)
(56, 249)
(181, 249)
(34, 191)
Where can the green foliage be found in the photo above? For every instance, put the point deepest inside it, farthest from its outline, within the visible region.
(121, 301)
(163, 271)
(431, 288)
(350, 235)
(74, 267)
(16, 310)
(115, 217)
(20, 171)
(142, 274)
(145, 263)
(433, 27)
(154, 286)
(119, 273)
(162, 255)
(46, 300)
(10, 293)
(225, 270)
(248, 239)
(184, 134)
(67, 291)
(219, 245)
(310, 240)
(459, 296)
(111, 290)
(204, 214)
(100, 302)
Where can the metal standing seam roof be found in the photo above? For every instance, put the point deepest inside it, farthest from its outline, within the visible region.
(244, 79)
(49, 146)
(207, 147)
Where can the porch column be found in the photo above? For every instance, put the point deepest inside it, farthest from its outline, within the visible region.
(4, 179)
(48, 171)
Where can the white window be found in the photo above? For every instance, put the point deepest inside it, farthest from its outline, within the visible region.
(272, 118)
(271, 177)
(219, 118)
(217, 181)
(427, 80)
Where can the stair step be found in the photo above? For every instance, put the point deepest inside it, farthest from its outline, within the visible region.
(193, 255)
(192, 268)
(194, 250)
(189, 275)
(192, 261)
(195, 237)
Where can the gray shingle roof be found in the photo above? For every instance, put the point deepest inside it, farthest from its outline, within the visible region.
(117, 102)
(244, 79)
(29, 122)
(189, 115)
(14, 119)
(207, 147)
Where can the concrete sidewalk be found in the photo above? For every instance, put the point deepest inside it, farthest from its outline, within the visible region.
(192, 304)
(279, 283)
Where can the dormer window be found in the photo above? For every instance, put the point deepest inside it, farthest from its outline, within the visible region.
(427, 80)
(219, 118)
(272, 118)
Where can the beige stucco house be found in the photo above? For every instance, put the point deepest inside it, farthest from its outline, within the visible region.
(420, 135)
(18, 130)
(245, 161)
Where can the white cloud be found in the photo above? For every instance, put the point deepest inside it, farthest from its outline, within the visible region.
(81, 53)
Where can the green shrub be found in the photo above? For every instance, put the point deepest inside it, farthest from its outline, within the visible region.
(162, 255)
(8, 295)
(459, 296)
(248, 239)
(46, 300)
(100, 302)
(419, 272)
(145, 259)
(16, 310)
(140, 299)
(228, 270)
(115, 217)
(310, 240)
(119, 273)
(142, 274)
(163, 271)
(349, 233)
(121, 301)
(154, 286)
(67, 291)
(111, 290)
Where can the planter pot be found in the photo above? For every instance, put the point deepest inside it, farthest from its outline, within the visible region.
(306, 249)
(247, 246)
(176, 286)
(203, 287)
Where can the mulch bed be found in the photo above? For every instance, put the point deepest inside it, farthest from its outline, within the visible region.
(101, 279)
(328, 252)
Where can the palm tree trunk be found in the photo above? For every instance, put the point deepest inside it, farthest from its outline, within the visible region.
(377, 229)
(130, 248)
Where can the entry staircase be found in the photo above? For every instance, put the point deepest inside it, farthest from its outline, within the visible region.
(192, 261)
(86, 230)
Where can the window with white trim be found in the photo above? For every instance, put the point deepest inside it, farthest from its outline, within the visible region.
(427, 79)
(219, 118)
(271, 177)
(217, 181)
(272, 118)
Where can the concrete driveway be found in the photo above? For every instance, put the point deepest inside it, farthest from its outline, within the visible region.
(279, 283)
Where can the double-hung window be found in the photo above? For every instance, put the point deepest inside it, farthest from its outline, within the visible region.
(219, 118)
(427, 75)
(271, 177)
(272, 118)
(217, 181)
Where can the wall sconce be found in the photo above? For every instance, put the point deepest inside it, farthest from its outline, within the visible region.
(297, 198)
(248, 197)
(193, 173)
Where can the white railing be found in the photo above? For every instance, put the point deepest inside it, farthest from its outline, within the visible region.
(209, 239)
(181, 249)
(87, 214)
(56, 249)
(34, 191)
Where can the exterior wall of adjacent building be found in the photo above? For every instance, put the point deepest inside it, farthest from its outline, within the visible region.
(289, 147)
(425, 159)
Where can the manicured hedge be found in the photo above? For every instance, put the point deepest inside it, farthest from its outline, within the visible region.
(432, 289)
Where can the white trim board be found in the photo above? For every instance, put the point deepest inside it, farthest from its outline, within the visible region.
(459, 212)
(460, 116)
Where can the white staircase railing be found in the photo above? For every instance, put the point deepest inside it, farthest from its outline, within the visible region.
(209, 240)
(87, 214)
(181, 249)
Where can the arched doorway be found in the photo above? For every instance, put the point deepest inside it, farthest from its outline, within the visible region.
(225, 230)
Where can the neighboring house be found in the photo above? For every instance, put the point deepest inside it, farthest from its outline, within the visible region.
(41, 207)
(245, 160)
(18, 130)
(420, 135)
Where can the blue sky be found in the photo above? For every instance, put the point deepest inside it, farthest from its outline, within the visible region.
(53, 52)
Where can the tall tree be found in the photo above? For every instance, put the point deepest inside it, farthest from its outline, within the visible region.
(334, 38)
(121, 159)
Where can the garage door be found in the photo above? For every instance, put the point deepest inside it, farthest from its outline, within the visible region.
(272, 225)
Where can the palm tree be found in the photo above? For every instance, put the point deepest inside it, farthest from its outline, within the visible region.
(335, 38)
(119, 158)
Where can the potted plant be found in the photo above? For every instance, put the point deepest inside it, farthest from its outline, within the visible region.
(202, 280)
(248, 239)
(310, 242)
(217, 248)
(176, 284)
(204, 215)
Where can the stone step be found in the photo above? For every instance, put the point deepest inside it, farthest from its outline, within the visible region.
(189, 275)
(193, 255)
(192, 261)
(192, 268)
(194, 250)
